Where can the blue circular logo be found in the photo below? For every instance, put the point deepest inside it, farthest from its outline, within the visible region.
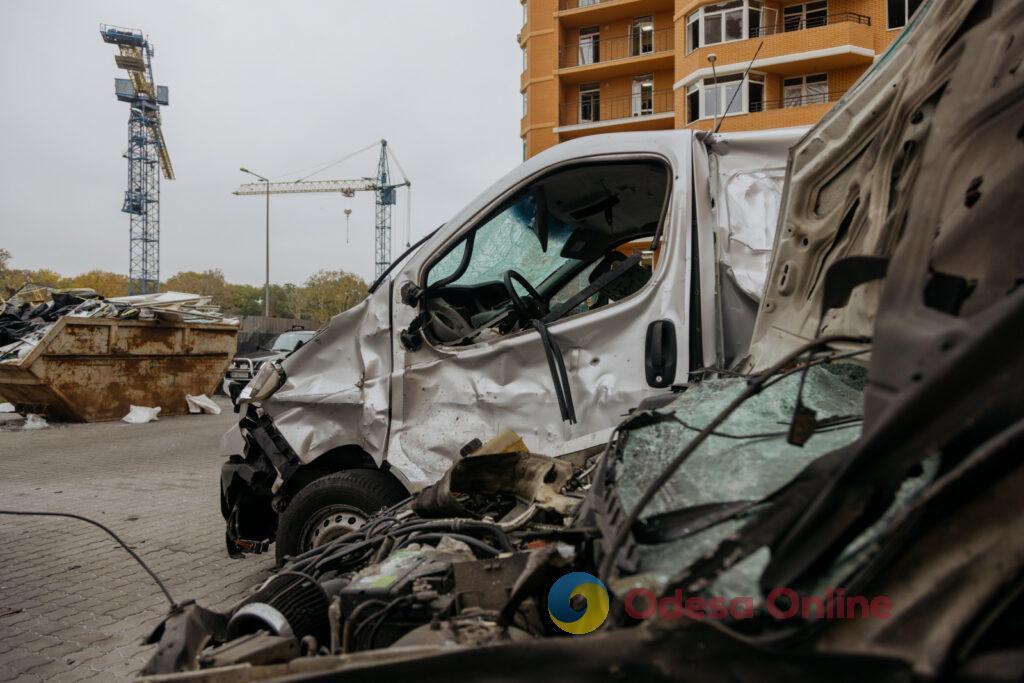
(578, 621)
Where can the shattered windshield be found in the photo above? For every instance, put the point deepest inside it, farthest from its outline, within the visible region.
(730, 480)
(747, 459)
(509, 240)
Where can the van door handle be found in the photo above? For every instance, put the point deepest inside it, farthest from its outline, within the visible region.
(660, 355)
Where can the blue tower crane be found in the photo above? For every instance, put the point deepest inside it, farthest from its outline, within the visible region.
(146, 152)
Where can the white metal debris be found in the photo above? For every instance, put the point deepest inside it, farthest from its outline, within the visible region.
(33, 421)
(202, 404)
(138, 415)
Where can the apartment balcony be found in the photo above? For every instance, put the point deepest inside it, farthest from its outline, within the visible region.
(649, 111)
(795, 101)
(790, 47)
(641, 51)
(575, 13)
(796, 110)
(788, 25)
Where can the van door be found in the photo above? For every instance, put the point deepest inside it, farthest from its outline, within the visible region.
(568, 243)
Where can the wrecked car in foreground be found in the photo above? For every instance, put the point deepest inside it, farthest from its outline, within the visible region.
(580, 284)
(847, 509)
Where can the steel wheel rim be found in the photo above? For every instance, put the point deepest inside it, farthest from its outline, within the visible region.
(329, 523)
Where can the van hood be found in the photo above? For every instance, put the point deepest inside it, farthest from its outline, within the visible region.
(848, 192)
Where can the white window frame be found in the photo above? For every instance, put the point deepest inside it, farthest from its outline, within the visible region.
(774, 23)
(802, 21)
(757, 77)
(587, 43)
(907, 14)
(637, 29)
(637, 107)
(743, 98)
(698, 16)
(803, 90)
(595, 88)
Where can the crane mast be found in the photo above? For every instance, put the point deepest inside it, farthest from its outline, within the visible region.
(385, 199)
(147, 154)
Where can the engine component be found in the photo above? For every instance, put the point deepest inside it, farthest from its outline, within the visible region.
(291, 604)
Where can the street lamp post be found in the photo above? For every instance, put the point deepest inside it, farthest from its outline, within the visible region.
(266, 284)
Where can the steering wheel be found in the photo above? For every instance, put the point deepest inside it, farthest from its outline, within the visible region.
(530, 309)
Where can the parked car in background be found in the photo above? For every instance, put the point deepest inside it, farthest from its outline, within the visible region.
(244, 367)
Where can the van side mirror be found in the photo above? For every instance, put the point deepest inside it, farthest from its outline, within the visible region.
(410, 293)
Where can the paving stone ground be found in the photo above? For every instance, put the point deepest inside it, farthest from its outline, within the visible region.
(73, 605)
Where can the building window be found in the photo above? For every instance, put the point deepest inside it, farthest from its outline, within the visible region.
(590, 102)
(524, 104)
(693, 103)
(590, 45)
(526, 12)
(725, 22)
(643, 95)
(641, 36)
(807, 15)
(901, 11)
(801, 90)
(525, 153)
(525, 59)
(708, 98)
(755, 93)
(721, 96)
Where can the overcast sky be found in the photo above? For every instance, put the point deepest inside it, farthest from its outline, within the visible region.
(273, 86)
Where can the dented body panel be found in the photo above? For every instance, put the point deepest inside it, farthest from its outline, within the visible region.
(337, 391)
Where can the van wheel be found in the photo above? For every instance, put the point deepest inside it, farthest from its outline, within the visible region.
(332, 506)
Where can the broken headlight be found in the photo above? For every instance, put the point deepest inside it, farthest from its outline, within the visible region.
(268, 379)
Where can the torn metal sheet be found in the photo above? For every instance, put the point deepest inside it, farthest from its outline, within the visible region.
(747, 175)
(138, 415)
(202, 404)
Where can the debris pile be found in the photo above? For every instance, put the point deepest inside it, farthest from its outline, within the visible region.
(29, 313)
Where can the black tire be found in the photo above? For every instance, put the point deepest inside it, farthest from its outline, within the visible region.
(341, 494)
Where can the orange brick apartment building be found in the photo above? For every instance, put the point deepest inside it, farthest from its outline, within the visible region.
(598, 66)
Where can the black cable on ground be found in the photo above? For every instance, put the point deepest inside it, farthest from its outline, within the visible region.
(152, 574)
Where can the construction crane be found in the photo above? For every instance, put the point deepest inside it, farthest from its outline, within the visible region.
(381, 185)
(146, 150)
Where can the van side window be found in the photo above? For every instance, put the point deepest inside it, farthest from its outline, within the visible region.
(549, 242)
